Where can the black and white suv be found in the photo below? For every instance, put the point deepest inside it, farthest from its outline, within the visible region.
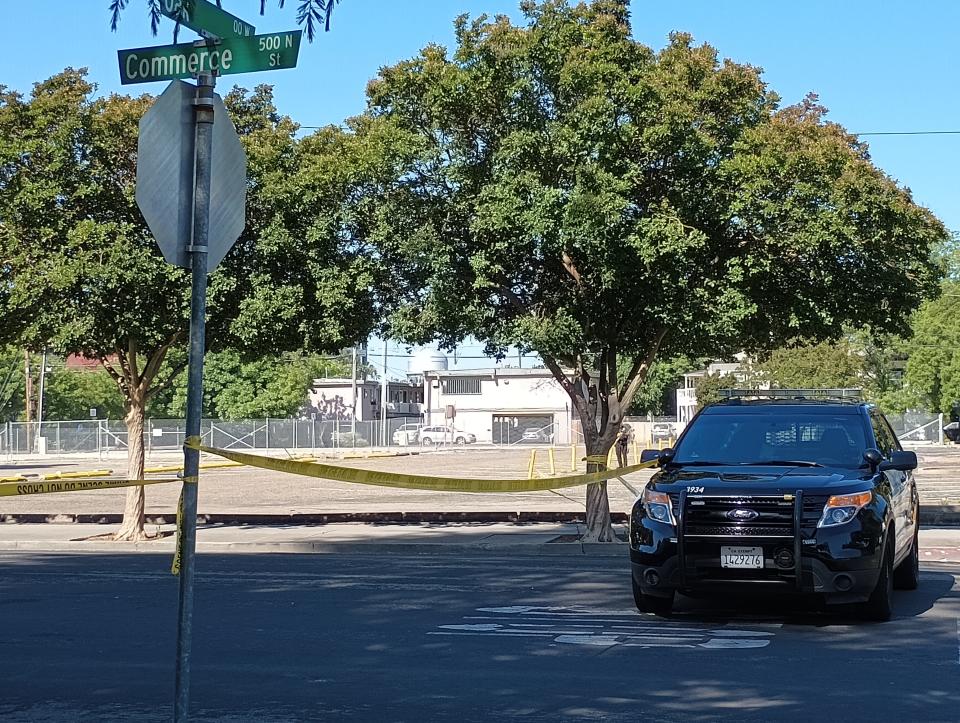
(797, 493)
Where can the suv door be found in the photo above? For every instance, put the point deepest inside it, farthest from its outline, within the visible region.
(901, 483)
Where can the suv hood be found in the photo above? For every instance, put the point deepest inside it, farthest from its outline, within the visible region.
(749, 480)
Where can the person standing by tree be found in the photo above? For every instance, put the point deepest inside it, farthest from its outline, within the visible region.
(623, 440)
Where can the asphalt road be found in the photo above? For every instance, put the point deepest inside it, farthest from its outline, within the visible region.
(358, 638)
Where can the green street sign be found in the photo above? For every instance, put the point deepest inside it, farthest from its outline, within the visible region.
(275, 51)
(206, 18)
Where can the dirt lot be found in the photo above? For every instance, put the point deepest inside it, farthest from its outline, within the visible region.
(247, 490)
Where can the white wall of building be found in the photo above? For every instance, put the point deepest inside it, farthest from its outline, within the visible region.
(516, 398)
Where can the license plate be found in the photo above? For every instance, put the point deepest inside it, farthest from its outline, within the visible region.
(741, 557)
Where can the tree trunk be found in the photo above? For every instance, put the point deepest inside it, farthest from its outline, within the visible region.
(599, 527)
(132, 526)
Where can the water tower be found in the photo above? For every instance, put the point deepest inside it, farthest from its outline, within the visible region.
(426, 360)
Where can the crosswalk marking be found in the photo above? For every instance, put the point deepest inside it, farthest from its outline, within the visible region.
(607, 628)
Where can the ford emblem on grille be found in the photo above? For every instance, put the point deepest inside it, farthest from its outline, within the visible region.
(742, 515)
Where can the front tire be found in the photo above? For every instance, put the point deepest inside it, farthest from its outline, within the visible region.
(661, 606)
(461, 441)
(907, 574)
(426, 442)
(879, 608)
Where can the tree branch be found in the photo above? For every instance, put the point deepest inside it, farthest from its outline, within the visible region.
(155, 390)
(132, 363)
(156, 359)
(603, 389)
(638, 372)
(117, 377)
(572, 389)
(572, 269)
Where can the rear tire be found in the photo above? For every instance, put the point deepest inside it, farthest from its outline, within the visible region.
(426, 442)
(907, 574)
(661, 606)
(879, 608)
(461, 441)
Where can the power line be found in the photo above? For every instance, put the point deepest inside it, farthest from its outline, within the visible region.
(908, 133)
(865, 133)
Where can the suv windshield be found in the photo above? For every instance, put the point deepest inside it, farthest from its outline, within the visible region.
(750, 438)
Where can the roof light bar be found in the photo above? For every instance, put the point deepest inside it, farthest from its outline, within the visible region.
(851, 394)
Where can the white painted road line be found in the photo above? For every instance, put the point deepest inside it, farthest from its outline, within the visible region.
(579, 626)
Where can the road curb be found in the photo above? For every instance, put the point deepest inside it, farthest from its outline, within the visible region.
(520, 549)
(314, 518)
(945, 515)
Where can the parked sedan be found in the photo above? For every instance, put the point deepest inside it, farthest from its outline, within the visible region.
(406, 434)
(440, 434)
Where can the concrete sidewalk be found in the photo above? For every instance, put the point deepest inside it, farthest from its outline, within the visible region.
(465, 539)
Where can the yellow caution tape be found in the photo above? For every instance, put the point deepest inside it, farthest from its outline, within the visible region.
(178, 550)
(414, 481)
(18, 478)
(77, 475)
(42, 487)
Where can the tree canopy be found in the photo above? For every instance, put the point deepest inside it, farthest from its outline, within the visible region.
(81, 274)
(566, 189)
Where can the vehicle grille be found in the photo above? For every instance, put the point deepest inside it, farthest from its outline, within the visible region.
(737, 531)
(708, 516)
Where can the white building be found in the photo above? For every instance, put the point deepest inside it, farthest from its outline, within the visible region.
(687, 394)
(499, 405)
(333, 399)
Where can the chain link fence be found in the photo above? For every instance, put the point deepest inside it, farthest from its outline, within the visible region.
(101, 436)
(917, 426)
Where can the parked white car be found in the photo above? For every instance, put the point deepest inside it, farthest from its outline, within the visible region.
(406, 434)
(440, 434)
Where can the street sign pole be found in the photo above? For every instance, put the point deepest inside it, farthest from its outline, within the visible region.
(203, 121)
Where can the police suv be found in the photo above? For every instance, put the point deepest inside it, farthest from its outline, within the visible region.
(793, 491)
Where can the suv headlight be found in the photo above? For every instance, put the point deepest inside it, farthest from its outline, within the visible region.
(841, 509)
(657, 505)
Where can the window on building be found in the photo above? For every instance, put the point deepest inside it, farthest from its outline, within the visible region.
(461, 385)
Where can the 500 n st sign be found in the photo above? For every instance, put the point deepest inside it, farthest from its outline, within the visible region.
(274, 51)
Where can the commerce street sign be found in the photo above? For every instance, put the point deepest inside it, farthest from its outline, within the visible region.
(206, 18)
(274, 51)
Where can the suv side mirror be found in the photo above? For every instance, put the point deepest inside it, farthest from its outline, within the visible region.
(657, 455)
(873, 457)
(900, 460)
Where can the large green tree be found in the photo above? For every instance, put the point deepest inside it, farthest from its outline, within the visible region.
(566, 189)
(933, 366)
(80, 272)
(829, 365)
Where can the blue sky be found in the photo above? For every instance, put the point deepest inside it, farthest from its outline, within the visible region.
(877, 65)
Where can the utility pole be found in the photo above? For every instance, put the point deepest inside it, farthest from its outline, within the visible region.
(353, 388)
(43, 370)
(28, 395)
(383, 398)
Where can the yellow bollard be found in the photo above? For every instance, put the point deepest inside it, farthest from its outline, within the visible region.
(611, 456)
(531, 468)
(553, 462)
(573, 457)
(636, 452)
